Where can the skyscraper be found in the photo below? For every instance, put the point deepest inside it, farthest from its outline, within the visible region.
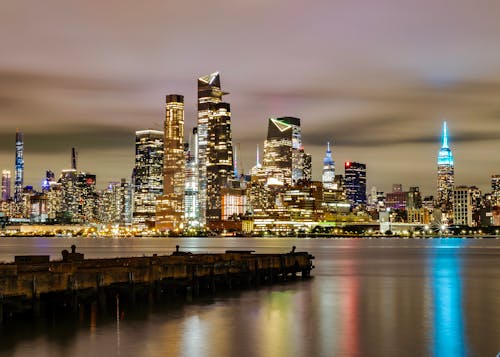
(191, 206)
(355, 183)
(495, 189)
(19, 180)
(215, 149)
(445, 174)
(284, 158)
(6, 181)
(171, 210)
(328, 169)
(147, 176)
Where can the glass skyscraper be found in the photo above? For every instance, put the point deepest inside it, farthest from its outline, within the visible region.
(215, 149)
(285, 161)
(170, 210)
(355, 183)
(147, 176)
(328, 169)
(19, 180)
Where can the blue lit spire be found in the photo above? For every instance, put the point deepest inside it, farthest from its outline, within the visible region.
(328, 156)
(445, 135)
(445, 156)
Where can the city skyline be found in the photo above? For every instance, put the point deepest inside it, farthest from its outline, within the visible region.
(376, 85)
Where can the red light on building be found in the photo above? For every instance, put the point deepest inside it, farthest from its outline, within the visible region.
(347, 164)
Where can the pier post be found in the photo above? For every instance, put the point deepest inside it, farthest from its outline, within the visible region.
(1, 308)
(131, 286)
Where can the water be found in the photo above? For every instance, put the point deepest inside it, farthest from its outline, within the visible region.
(368, 297)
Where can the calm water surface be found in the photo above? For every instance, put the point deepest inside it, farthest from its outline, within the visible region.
(368, 297)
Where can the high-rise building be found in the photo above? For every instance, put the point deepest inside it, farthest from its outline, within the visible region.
(6, 181)
(171, 210)
(70, 198)
(215, 149)
(465, 205)
(88, 200)
(445, 174)
(284, 158)
(191, 206)
(495, 189)
(355, 183)
(19, 180)
(115, 203)
(49, 177)
(328, 169)
(147, 176)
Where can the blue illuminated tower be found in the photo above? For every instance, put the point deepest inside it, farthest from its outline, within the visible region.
(19, 180)
(445, 174)
(328, 169)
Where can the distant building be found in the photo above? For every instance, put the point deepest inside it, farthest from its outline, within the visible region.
(445, 174)
(147, 176)
(284, 158)
(328, 169)
(6, 182)
(191, 203)
(465, 205)
(19, 180)
(355, 183)
(495, 189)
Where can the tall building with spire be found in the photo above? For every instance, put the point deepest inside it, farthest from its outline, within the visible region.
(19, 179)
(445, 174)
(328, 169)
(170, 208)
(215, 149)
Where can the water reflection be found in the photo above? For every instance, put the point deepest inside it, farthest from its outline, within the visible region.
(448, 335)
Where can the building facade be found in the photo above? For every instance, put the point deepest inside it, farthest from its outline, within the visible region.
(6, 182)
(445, 174)
(328, 169)
(147, 176)
(355, 183)
(170, 213)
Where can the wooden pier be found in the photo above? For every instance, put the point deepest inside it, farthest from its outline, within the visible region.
(32, 282)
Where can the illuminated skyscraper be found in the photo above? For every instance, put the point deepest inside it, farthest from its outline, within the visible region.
(284, 158)
(191, 206)
(19, 180)
(6, 181)
(328, 169)
(445, 174)
(495, 189)
(355, 183)
(215, 149)
(147, 176)
(170, 211)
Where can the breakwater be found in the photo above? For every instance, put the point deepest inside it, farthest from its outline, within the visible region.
(32, 283)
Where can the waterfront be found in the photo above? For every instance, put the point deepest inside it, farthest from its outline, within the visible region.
(368, 297)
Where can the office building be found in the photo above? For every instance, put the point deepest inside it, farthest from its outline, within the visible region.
(19, 179)
(147, 176)
(6, 182)
(170, 210)
(355, 183)
(328, 169)
(495, 189)
(215, 149)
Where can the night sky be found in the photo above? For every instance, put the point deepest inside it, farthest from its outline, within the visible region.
(376, 78)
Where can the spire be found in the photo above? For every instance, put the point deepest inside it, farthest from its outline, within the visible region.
(328, 156)
(235, 169)
(445, 135)
(258, 158)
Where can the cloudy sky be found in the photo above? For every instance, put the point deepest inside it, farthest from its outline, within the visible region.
(376, 78)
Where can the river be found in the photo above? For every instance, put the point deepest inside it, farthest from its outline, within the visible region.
(367, 297)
